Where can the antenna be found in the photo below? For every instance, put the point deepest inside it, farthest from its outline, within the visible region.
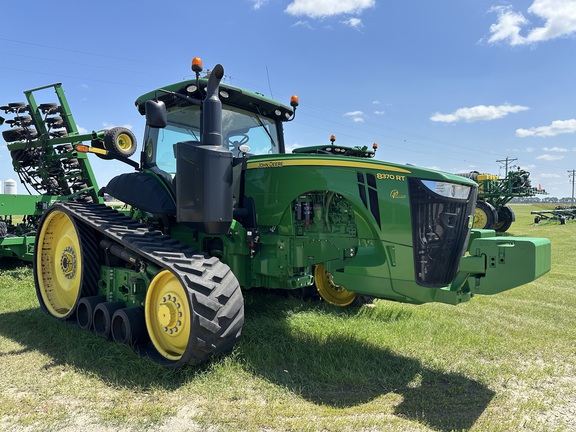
(269, 86)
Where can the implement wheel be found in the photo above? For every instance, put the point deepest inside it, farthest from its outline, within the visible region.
(334, 294)
(65, 264)
(118, 140)
(189, 324)
(505, 218)
(485, 215)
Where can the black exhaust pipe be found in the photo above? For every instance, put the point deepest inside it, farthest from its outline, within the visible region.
(204, 169)
(212, 110)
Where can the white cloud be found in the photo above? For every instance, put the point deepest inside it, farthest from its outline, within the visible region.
(555, 149)
(356, 116)
(107, 125)
(559, 18)
(544, 175)
(257, 4)
(556, 128)
(478, 112)
(530, 149)
(548, 157)
(379, 112)
(82, 130)
(353, 22)
(291, 147)
(325, 8)
(305, 24)
(376, 102)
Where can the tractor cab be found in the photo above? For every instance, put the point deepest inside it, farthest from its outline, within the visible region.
(244, 132)
(198, 135)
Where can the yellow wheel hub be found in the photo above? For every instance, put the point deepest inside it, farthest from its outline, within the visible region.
(124, 142)
(59, 264)
(329, 291)
(480, 218)
(168, 317)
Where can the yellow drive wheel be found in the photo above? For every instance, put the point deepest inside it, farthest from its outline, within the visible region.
(167, 314)
(329, 291)
(59, 265)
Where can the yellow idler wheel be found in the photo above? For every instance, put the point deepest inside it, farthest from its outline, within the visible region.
(58, 269)
(329, 291)
(167, 314)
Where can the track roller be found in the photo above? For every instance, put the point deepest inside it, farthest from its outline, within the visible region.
(85, 310)
(129, 326)
(102, 318)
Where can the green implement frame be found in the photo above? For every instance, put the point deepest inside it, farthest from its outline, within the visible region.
(42, 142)
(494, 194)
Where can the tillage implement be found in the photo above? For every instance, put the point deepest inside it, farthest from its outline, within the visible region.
(217, 206)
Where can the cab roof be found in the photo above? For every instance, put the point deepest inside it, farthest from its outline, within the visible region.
(229, 95)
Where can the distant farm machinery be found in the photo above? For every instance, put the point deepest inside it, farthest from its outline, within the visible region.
(560, 214)
(494, 194)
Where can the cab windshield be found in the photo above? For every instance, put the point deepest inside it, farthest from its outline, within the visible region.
(239, 127)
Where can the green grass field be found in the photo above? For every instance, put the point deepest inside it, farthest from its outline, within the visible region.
(500, 363)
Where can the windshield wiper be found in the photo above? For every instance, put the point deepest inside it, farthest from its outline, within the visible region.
(261, 123)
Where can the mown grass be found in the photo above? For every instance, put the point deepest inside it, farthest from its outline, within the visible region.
(504, 362)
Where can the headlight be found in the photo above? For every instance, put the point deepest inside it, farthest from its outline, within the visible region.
(448, 190)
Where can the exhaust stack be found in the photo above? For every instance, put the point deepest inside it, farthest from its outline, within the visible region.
(204, 169)
(212, 110)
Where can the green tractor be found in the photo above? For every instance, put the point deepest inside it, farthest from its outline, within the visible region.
(492, 209)
(218, 207)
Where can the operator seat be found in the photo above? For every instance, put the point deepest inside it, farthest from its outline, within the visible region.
(143, 191)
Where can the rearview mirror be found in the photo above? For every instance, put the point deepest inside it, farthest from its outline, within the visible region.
(156, 114)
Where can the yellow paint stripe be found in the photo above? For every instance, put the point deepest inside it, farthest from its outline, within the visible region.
(280, 163)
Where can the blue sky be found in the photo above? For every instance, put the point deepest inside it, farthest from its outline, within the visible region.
(455, 85)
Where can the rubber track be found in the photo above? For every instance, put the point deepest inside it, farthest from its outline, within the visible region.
(215, 297)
